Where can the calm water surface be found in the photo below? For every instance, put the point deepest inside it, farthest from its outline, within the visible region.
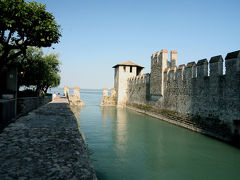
(129, 145)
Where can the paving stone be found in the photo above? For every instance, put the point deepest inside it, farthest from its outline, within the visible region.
(45, 144)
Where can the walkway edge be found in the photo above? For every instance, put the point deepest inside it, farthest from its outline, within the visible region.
(45, 144)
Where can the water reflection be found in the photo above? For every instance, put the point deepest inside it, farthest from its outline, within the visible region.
(107, 112)
(121, 130)
(129, 145)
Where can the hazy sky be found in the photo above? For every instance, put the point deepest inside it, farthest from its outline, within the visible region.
(97, 34)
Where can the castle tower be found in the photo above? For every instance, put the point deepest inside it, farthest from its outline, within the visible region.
(123, 71)
(173, 58)
(159, 62)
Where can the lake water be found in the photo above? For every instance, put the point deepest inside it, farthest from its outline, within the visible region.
(128, 145)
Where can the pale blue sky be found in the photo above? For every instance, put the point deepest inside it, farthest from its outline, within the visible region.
(98, 34)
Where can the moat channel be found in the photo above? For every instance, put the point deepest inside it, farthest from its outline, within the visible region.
(127, 145)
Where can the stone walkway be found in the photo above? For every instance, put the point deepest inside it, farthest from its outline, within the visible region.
(45, 144)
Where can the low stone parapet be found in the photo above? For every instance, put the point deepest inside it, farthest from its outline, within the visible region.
(7, 111)
(27, 104)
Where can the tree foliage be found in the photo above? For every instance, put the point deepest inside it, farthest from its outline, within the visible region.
(24, 24)
(39, 70)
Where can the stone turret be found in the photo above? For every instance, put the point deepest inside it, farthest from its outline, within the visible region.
(158, 65)
(123, 71)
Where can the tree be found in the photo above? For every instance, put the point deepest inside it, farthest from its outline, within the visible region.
(39, 70)
(51, 72)
(24, 24)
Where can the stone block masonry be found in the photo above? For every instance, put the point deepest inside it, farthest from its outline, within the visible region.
(210, 101)
(75, 99)
(27, 104)
(45, 144)
(191, 90)
(159, 62)
(123, 71)
(109, 100)
(138, 89)
(24, 105)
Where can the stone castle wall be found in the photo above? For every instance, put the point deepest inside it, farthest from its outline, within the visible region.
(200, 90)
(138, 89)
(190, 90)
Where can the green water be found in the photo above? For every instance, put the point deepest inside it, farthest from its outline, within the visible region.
(129, 145)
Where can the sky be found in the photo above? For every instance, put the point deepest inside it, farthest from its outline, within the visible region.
(97, 34)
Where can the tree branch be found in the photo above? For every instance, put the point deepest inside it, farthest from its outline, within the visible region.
(15, 55)
(9, 36)
(4, 54)
(2, 35)
(17, 42)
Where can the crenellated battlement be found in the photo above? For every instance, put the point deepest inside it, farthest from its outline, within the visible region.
(198, 89)
(180, 72)
(154, 58)
(143, 78)
(157, 57)
(138, 88)
(201, 69)
(216, 66)
(201, 88)
(172, 73)
(232, 62)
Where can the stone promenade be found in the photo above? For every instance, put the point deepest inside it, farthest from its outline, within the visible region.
(45, 144)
